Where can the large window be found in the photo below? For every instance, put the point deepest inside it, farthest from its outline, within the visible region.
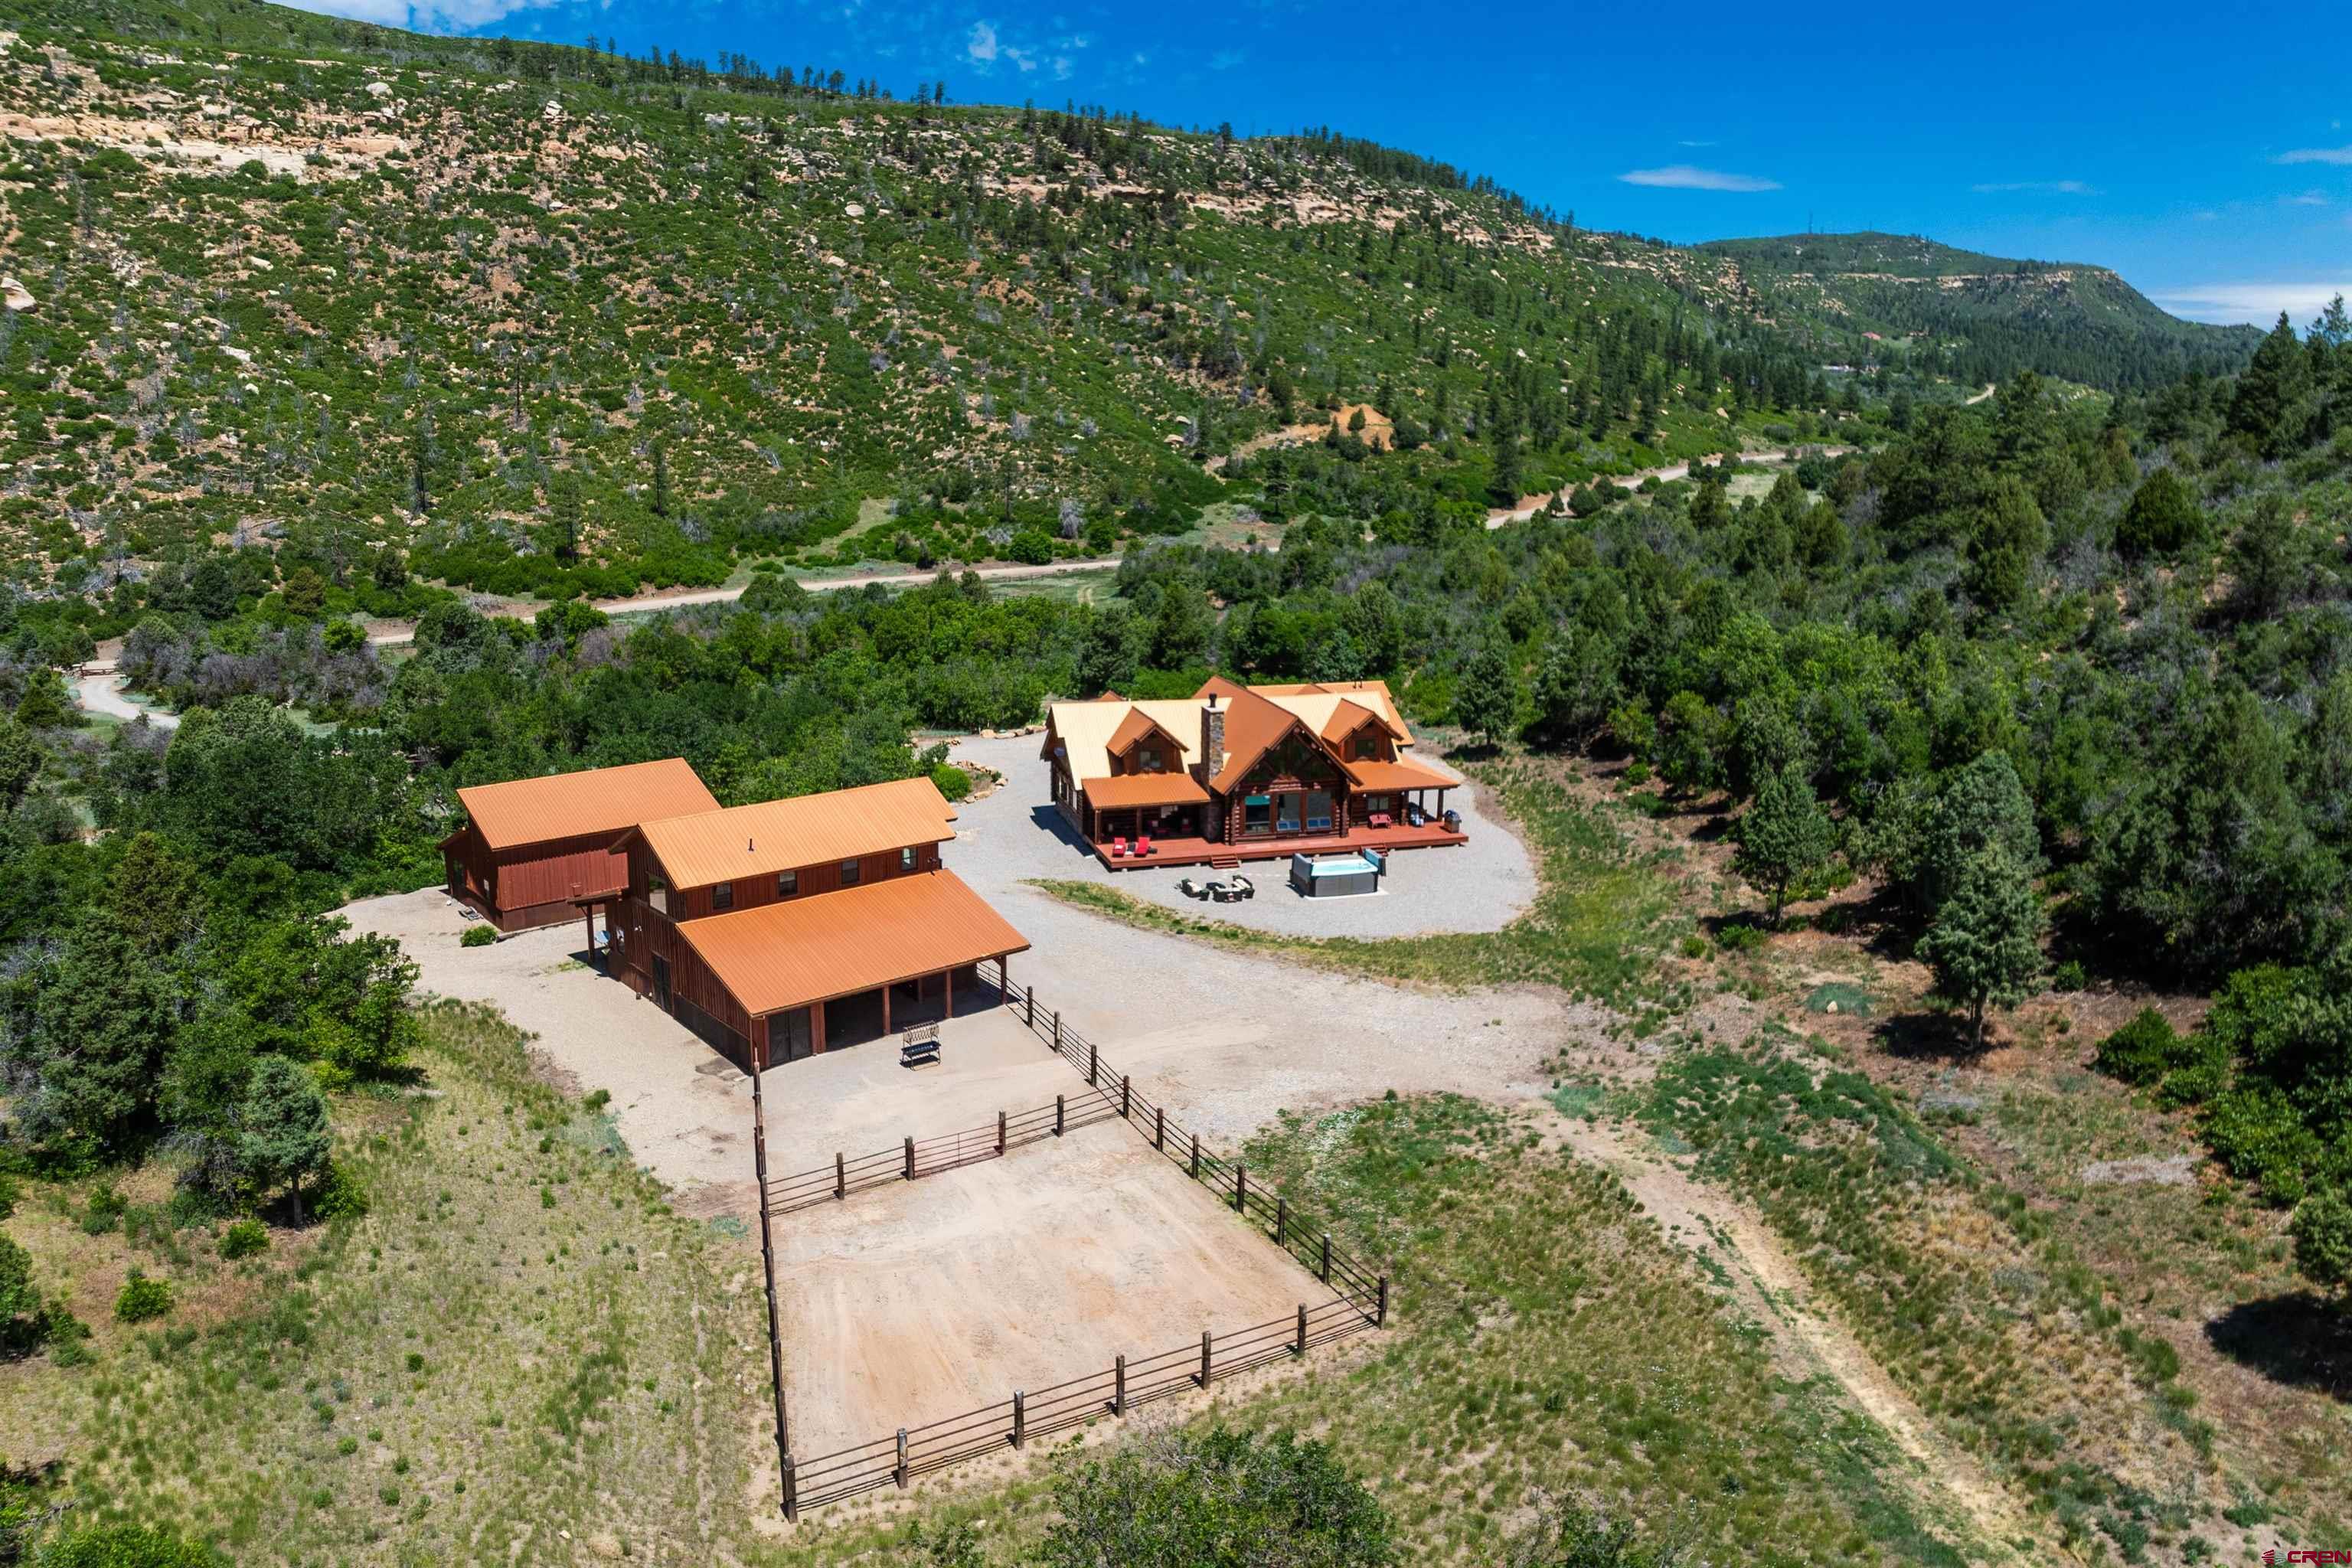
(1257, 814)
(722, 895)
(1318, 811)
(1285, 820)
(906, 858)
(1147, 759)
(849, 873)
(787, 884)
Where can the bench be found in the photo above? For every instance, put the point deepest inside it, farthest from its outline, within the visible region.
(920, 1046)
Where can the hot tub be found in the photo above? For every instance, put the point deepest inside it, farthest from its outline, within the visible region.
(1334, 876)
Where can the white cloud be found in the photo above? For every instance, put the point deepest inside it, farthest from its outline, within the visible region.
(2306, 199)
(1684, 177)
(2049, 187)
(2315, 155)
(1226, 60)
(2256, 303)
(980, 47)
(424, 16)
(1690, 143)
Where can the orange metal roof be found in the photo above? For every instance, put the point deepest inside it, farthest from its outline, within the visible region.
(1376, 691)
(595, 800)
(837, 944)
(1133, 728)
(1144, 789)
(1398, 775)
(805, 830)
(1347, 717)
(1253, 724)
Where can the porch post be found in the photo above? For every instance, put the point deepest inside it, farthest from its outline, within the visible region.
(947, 984)
(817, 1028)
(885, 1007)
(588, 914)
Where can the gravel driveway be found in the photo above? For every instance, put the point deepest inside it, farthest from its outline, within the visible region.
(1479, 886)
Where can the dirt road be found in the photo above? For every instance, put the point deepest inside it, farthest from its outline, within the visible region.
(392, 633)
(1530, 505)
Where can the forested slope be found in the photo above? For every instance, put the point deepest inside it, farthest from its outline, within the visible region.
(1882, 297)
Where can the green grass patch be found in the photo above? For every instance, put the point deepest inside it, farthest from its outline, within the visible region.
(1603, 912)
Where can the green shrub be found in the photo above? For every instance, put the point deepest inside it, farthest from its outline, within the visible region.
(479, 934)
(143, 1299)
(597, 1099)
(953, 782)
(2321, 1229)
(2142, 1051)
(244, 1238)
(1234, 1498)
(338, 1197)
(2070, 976)
(128, 1546)
(103, 1211)
(2256, 1133)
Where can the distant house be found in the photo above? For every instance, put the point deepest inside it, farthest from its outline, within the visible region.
(533, 850)
(785, 928)
(1237, 772)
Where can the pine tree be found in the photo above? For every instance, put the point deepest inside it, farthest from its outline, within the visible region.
(661, 478)
(1985, 946)
(1785, 836)
(2272, 404)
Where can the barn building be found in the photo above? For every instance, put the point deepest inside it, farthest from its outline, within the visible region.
(794, 925)
(534, 850)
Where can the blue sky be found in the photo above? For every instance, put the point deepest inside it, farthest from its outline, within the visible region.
(2195, 158)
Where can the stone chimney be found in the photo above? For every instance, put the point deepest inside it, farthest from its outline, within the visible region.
(1212, 739)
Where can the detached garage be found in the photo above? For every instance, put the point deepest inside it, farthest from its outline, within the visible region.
(532, 849)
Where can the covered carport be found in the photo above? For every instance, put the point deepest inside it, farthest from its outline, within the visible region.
(822, 973)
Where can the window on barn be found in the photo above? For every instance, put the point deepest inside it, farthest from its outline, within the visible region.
(787, 884)
(722, 895)
(906, 858)
(849, 873)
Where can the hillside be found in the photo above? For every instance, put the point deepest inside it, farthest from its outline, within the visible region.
(624, 320)
(540, 319)
(1977, 317)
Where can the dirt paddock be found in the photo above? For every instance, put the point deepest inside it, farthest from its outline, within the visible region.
(914, 1301)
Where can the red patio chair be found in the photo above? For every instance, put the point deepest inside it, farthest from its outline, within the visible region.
(1117, 848)
(1143, 846)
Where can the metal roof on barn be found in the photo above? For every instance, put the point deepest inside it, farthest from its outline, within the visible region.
(812, 950)
(580, 805)
(744, 841)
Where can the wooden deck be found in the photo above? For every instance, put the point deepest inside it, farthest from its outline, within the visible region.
(1201, 852)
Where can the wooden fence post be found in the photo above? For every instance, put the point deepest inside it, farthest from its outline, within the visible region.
(1000, 1132)
(840, 1178)
(1240, 1188)
(1204, 1358)
(1159, 1128)
(1381, 1320)
(1060, 1111)
(1057, 1031)
(911, 1159)
(1125, 1098)
(1281, 1218)
(792, 1491)
(1324, 1272)
(1196, 1156)
(1019, 1422)
(1118, 1386)
(1094, 1059)
(1032, 1019)
(899, 1473)
(1302, 1328)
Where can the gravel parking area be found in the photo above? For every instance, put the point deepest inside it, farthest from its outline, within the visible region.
(683, 1109)
(1479, 886)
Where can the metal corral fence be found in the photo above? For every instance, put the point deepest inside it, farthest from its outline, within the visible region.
(914, 1451)
(1294, 1231)
(917, 1157)
(1360, 1299)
